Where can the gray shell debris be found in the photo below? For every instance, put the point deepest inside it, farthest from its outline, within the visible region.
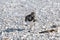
(12, 30)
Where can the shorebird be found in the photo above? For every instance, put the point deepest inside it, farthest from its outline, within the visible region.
(30, 17)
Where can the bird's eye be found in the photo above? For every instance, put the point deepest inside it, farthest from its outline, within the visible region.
(53, 26)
